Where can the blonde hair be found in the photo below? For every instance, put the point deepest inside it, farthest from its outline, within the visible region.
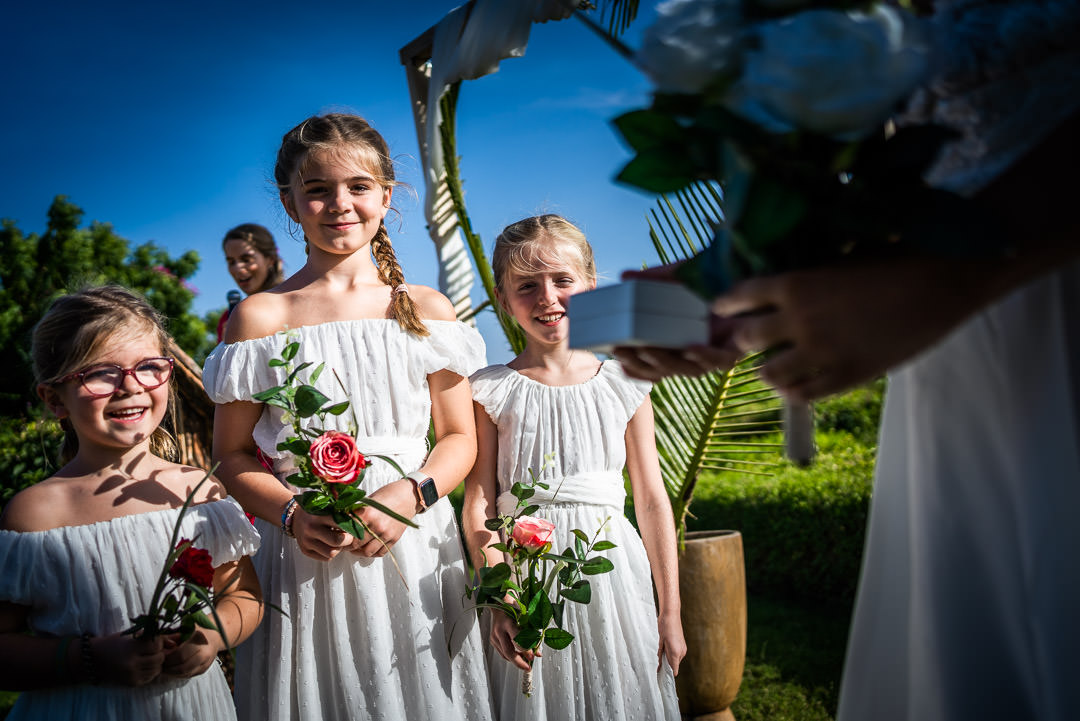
(76, 329)
(342, 136)
(527, 246)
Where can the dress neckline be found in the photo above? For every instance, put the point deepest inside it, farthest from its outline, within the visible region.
(117, 519)
(343, 322)
(590, 379)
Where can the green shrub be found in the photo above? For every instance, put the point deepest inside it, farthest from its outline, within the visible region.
(802, 528)
(857, 412)
(29, 446)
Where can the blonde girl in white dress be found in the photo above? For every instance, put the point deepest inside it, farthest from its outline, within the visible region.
(595, 421)
(81, 552)
(366, 636)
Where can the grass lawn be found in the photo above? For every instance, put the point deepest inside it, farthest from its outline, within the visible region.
(794, 657)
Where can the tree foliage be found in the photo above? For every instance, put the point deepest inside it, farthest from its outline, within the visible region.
(35, 269)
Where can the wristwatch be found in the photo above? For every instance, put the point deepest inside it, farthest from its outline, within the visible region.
(425, 489)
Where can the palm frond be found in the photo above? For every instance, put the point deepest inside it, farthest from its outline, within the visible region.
(618, 14)
(448, 137)
(712, 422)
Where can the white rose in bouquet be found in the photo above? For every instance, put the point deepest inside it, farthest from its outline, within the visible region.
(691, 43)
(836, 73)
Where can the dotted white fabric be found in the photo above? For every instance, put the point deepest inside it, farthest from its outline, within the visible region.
(609, 672)
(95, 579)
(357, 643)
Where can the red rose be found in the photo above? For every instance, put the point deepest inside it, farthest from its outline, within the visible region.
(193, 564)
(532, 532)
(334, 457)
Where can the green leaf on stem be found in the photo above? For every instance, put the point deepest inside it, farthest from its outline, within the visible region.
(557, 638)
(289, 351)
(658, 170)
(308, 401)
(337, 409)
(349, 524)
(528, 638)
(648, 129)
(292, 376)
(580, 535)
(493, 576)
(493, 524)
(580, 592)
(265, 396)
(296, 446)
(603, 546)
(388, 511)
(315, 503)
(597, 565)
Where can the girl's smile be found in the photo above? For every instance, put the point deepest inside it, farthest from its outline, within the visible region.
(339, 205)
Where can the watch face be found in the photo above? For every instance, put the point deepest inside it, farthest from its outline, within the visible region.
(428, 492)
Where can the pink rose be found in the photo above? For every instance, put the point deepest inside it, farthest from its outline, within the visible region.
(532, 533)
(334, 457)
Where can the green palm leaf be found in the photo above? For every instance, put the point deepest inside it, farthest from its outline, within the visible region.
(447, 134)
(711, 423)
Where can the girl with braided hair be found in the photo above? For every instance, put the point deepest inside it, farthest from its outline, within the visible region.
(364, 635)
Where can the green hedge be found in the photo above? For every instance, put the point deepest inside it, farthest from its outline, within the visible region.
(29, 446)
(803, 528)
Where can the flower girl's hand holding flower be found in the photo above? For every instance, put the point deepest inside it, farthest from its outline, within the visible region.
(400, 497)
(319, 537)
(123, 660)
(503, 631)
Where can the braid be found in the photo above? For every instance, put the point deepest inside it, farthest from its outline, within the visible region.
(402, 307)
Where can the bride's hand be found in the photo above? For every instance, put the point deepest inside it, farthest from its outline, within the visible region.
(831, 328)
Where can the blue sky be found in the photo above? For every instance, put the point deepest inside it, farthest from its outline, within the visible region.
(163, 119)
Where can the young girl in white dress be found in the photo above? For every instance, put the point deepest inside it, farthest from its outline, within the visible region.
(81, 552)
(595, 420)
(367, 636)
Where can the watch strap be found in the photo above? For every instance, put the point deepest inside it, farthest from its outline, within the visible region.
(426, 490)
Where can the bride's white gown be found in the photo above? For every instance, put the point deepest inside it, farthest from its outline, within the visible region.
(969, 600)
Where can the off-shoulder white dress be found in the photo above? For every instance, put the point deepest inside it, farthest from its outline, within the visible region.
(969, 595)
(357, 643)
(609, 672)
(95, 579)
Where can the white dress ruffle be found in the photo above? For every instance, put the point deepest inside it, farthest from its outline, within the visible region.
(357, 643)
(609, 672)
(95, 579)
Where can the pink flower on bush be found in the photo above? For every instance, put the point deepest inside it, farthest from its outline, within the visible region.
(193, 564)
(335, 459)
(532, 533)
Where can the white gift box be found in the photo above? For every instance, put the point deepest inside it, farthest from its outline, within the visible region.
(638, 313)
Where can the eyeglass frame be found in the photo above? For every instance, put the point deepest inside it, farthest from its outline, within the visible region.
(125, 373)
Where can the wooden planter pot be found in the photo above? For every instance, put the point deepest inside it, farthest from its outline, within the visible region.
(712, 582)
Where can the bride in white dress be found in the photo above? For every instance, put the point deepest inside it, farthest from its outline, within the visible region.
(967, 601)
(361, 640)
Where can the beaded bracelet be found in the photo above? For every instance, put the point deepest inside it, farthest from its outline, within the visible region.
(287, 517)
(63, 668)
(89, 670)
